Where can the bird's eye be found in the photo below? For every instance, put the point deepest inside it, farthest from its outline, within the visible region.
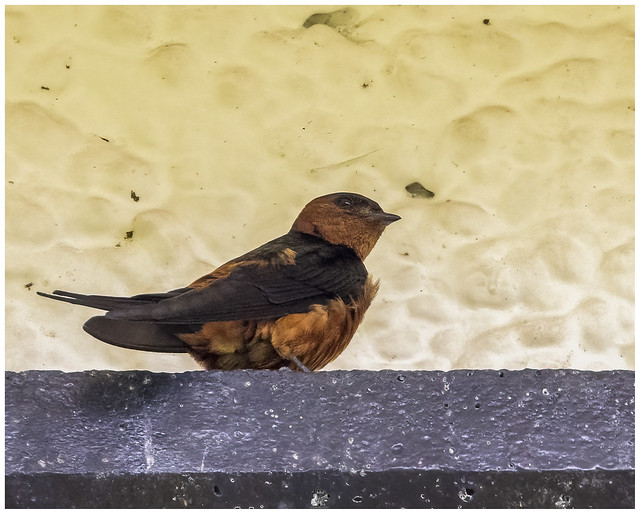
(344, 201)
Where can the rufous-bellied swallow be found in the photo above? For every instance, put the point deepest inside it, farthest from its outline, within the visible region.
(295, 301)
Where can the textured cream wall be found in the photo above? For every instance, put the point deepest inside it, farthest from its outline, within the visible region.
(225, 121)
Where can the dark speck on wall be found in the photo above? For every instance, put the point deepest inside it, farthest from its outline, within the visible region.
(417, 189)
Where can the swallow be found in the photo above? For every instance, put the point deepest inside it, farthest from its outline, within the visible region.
(294, 302)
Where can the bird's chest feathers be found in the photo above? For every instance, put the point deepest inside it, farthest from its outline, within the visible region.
(319, 336)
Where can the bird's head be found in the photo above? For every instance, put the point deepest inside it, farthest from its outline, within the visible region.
(347, 219)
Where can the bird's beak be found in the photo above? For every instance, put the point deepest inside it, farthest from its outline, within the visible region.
(387, 218)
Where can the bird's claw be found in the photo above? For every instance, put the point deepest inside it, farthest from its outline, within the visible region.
(298, 363)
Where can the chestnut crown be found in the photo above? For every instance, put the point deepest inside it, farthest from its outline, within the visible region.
(347, 219)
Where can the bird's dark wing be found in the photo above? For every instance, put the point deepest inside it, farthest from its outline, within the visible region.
(259, 285)
(259, 291)
(108, 303)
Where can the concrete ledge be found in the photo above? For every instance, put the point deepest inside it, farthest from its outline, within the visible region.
(531, 438)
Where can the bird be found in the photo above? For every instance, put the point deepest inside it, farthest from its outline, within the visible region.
(295, 301)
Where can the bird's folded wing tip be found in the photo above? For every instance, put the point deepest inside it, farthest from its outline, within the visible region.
(115, 314)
